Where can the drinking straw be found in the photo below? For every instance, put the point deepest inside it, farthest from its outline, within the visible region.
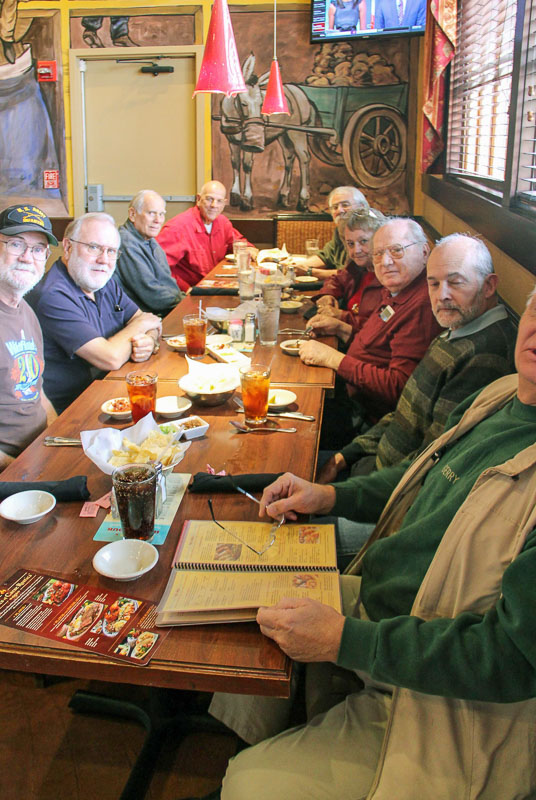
(200, 309)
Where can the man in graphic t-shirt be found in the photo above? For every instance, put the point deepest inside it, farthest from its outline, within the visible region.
(25, 233)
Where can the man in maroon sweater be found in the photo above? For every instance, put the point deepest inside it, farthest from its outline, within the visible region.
(196, 240)
(382, 353)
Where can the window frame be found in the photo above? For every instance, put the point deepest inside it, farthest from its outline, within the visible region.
(503, 220)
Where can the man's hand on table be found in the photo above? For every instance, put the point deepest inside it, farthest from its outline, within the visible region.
(143, 345)
(304, 629)
(290, 496)
(317, 354)
(326, 301)
(327, 324)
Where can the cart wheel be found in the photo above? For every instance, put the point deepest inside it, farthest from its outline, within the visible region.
(374, 145)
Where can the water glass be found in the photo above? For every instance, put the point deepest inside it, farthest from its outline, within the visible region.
(134, 486)
(255, 381)
(195, 331)
(311, 247)
(246, 283)
(268, 323)
(239, 246)
(141, 387)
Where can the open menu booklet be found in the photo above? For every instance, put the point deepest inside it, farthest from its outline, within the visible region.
(216, 578)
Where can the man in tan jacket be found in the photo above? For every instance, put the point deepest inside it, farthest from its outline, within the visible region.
(435, 661)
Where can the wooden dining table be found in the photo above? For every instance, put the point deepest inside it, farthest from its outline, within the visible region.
(228, 657)
(285, 369)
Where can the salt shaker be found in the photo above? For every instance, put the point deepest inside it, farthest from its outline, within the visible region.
(249, 329)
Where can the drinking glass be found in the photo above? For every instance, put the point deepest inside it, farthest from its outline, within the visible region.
(268, 323)
(195, 330)
(246, 283)
(134, 486)
(239, 246)
(255, 380)
(311, 247)
(141, 388)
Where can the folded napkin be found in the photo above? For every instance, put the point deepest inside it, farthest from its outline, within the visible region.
(71, 489)
(216, 290)
(307, 287)
(203, 482)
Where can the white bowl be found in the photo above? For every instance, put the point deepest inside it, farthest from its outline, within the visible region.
(172, 406)
(290, 347)
(27, 507)
(290, 306)
(278, 399)
(200, 428)
(208, 393)
(125, 559)
(107, 408)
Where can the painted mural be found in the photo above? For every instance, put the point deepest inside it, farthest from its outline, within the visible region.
(348, 121)
(32, 143)
(132, 31)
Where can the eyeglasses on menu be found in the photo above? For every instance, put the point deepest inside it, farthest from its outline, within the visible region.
(396, 251)
(272, 534)
(95, 250)
(18, 247)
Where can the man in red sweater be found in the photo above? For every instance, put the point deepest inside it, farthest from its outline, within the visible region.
(196, 240)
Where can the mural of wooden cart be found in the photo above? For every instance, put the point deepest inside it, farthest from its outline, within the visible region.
(363, 128)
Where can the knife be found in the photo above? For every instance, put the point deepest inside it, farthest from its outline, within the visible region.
(61, 441)
(287, 414)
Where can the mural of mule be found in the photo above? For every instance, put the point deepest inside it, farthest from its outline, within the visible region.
(362, 128)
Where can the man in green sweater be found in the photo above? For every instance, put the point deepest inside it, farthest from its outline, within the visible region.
(439, 651)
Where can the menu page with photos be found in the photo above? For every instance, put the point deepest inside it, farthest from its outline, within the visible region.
(216, 578)
(109, 623)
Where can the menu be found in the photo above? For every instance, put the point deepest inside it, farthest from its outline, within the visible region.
(105, 622)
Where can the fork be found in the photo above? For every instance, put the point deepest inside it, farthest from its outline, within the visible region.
(60, 441)
(243, 429)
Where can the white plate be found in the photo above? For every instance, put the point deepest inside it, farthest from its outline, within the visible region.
(105, 408)
(306, 279)
(230, 257)
(125, 559)
(27, 507)
(179, 342)
(278, 399)
(171, 407)
(288, 349)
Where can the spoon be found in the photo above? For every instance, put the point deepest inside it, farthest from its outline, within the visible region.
(244, 429)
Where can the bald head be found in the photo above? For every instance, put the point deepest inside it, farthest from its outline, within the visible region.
(461, 281)
(211, 200)
(147, 212)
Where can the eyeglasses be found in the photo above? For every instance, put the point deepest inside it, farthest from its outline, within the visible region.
(18, 247)
(272, 533)
(344, 205)
(96, 250)
(396, 251)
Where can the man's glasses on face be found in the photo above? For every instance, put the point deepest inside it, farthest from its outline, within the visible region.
(17, 247)
(345, 205)
(95, 250)
(396, 251)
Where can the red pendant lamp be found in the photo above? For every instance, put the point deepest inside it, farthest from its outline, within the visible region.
(220, 69)
(274, 100)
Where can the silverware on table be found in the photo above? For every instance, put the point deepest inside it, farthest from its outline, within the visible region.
(244, 429)
(61, 441)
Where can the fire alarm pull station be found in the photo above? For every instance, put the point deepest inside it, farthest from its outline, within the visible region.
(47, 71)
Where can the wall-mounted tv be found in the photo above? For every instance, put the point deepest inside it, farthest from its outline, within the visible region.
(339, 20)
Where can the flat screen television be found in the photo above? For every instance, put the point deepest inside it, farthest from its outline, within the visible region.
(341, 20)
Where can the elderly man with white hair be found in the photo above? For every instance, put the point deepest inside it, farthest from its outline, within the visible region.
(142, 268)
(89, 324)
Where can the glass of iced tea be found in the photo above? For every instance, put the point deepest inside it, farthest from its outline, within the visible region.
(195, 331)
(141, 393)
(255, 381)
(135, 496)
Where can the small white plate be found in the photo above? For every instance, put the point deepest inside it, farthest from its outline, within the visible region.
(107, 408)
(306, 279)
(278, 399)
(125, 559)
(290, 347)
(171, 407)
(230, 257)
(27, 507)
(179, 342)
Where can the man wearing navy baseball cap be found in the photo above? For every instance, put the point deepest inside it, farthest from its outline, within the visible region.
(25, 235)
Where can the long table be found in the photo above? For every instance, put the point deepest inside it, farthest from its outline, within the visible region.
(233, 658)
(286, 369)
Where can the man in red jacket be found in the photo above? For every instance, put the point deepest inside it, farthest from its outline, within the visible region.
(196, 240)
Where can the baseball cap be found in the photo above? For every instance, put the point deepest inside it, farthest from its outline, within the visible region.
(21, 218)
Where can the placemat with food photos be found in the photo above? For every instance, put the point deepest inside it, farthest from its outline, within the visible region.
(105, 622)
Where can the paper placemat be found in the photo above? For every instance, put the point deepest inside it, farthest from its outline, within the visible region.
(176, 485)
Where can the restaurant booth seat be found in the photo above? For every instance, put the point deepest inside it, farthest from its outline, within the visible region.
(293, 229)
